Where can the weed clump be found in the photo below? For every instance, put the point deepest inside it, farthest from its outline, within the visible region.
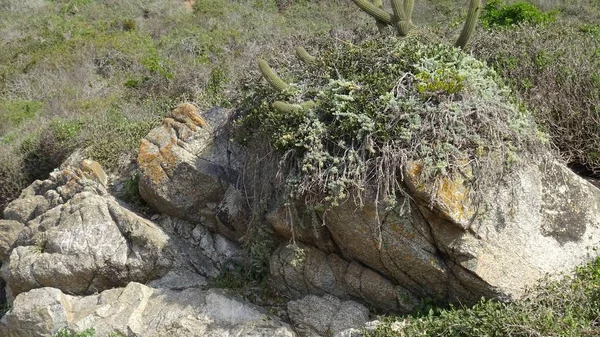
(380, 105)
(497, 14)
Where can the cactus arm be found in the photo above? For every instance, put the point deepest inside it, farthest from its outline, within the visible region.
(409, 5)
(284, 107)
(380, 25)
(400, 20)
(271, 76)
(304, 55)
(378, 13)
(470, 24)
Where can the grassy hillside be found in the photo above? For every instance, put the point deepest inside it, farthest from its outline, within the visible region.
(101, 74)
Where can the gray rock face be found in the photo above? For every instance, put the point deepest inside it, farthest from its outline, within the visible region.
(83, 241)
(540, 220)
(195, 252)
(10, 230)
(187, 169)
(139, 311)
(326, 316)
(308, 270)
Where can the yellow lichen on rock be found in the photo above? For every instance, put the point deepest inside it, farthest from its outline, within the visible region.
(448, 194)
(93, 170)
(149, 161)
(188, 114)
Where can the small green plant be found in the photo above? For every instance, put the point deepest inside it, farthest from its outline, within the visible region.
(131, 192)
(498, 14)
(69, 333)
(65, 130)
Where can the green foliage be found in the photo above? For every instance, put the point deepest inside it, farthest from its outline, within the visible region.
(65, 130)
(16, 112)
(498, 14)
(131, 193)
(380, 104)
(567, 308)
(68, 333)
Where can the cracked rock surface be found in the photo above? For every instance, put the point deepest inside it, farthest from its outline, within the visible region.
(73, 236)
(140, 311)
(189, 167)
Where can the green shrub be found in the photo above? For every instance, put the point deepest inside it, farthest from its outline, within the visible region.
(131, 193)
(380, 104)
(68, 333)
(497, 14)
(565, 308)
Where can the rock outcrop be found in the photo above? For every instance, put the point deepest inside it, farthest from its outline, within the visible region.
(139, 311)
(189, 169)
(67, 232)
(73, 236)
(542, 219)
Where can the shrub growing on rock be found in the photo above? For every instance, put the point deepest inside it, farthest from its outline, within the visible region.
(379, 105)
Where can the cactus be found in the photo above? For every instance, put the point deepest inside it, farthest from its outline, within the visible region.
(304, 55)
(470, 24)
(271, 76)
(379, 14)
(290, 108)
(402, 17)
(409, 5)
(380, 25)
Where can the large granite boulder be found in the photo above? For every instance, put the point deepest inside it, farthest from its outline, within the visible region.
(67, 232)
(439, 243)
(189, 169)
(139, 311)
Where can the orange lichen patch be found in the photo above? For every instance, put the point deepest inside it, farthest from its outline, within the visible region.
(93, 170)
(188, 114)
(168, 157)
(149, 161)
(450, 195)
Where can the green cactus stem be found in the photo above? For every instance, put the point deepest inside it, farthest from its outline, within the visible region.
(271, 76)
(409, 5)
(470, 24)
(304, 55)
(379, 14)
(400, 20)
(284, 107)
(380, 25)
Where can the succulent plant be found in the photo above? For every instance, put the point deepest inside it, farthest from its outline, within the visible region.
(289, 108)
(401, 19)
(470, 23)
(304, 55)
(271, 76)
